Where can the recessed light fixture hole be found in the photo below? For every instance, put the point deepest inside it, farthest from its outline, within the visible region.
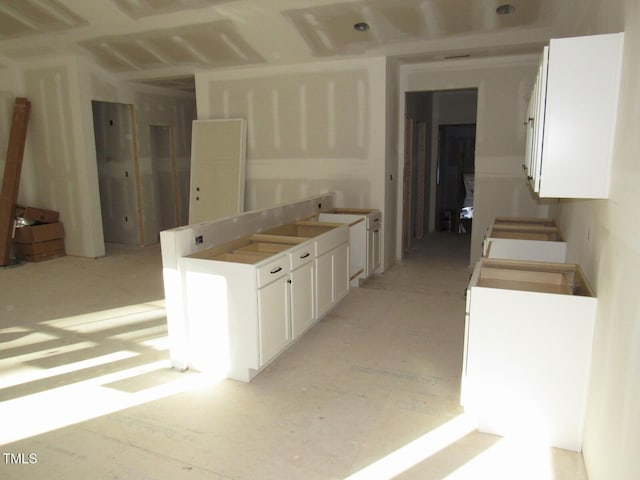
(361, 26)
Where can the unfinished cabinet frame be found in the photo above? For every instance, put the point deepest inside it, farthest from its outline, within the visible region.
(527, 350)
(532, 239)
(364, 239)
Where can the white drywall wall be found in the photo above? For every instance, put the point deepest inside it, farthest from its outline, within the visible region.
(602, 236)
(312, 128)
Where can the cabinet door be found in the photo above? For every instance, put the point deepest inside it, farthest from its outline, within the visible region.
(324, 284)
(273, 316)
(538, 114)
(302, 298)
(340, 272)
(530, 137)
(373, 247)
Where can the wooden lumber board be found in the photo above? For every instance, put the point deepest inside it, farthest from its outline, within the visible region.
(406, 187)
(422, 179)
(11, 180)
(539, 287)
(540, 221)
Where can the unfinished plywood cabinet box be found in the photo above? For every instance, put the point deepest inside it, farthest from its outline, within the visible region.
(527, 350)
(534, 239)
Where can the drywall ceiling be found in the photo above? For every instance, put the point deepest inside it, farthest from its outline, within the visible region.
(167, 41)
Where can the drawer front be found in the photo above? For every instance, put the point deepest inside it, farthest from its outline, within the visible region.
(332, 239)
(273, 270)
(374, 220)
(301, 255)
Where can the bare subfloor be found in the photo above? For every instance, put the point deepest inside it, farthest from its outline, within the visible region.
(372, 391)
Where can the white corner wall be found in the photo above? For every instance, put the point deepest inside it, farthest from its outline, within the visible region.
(503, 88)
(312, 128)
(64, 179)
(602, 236)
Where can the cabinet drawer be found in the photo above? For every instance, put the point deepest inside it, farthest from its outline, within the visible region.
(301, 255)
(330, 240)
(374, 220)
(273, 270)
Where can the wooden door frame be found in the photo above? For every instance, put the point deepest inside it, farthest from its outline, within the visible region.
(136, 168)
(407, 177)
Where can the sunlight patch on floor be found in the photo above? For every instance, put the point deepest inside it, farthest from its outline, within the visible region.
(418, 450)
(68, 370)
(509, 458)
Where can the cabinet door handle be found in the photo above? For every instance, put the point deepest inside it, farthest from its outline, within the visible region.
(376, 230)
(276, 270)
(376, 219)
(305, 255)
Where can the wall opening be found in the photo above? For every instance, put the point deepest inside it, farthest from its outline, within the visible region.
(454, 178)
(117, 172)
(439, 163)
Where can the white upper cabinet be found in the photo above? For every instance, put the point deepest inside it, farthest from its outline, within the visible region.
(572, 117)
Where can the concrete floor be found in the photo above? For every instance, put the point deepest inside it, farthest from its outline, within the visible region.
(371, 392)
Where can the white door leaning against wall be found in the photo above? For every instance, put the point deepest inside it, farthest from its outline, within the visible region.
(218, 153)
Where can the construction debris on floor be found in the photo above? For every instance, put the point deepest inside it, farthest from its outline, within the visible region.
(39, 235)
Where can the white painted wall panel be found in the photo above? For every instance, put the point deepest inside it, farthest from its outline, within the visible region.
(602, 235)
(311, 128)
(55, 137)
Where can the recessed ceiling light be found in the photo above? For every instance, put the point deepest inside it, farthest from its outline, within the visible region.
(361, 26)
(505, 9)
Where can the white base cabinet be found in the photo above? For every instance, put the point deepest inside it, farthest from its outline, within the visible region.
(374, 257)
(248, 299)
(524, 241)
(365, 254)
(274, 317)
(302, 283)
(332, 278)
(527, 350)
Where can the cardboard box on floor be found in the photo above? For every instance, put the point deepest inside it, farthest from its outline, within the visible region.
(39, 233)
(37, 214)
(38, 251)
(42, 241)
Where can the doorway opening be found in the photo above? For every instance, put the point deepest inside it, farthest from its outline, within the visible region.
(144, 186)
(117, 172)
(439, 163)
